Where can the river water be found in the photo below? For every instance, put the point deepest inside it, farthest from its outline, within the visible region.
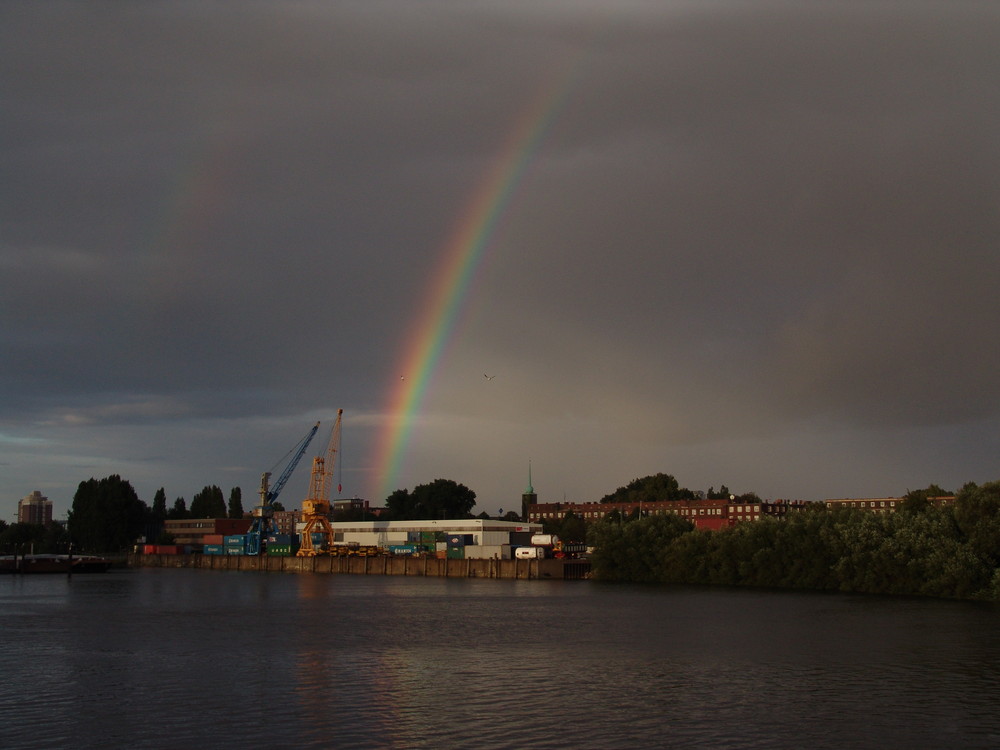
(164, 658)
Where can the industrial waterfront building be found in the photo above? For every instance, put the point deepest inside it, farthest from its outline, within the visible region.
(477, 538)
(192, 531)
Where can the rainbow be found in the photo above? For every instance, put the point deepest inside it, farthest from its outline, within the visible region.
(450, 283)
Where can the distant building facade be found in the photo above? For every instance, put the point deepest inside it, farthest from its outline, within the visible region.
(352, 507)
(713, 514)
(882, 504)
(34, 508)
(286, 520)
(194, 530)
(703, 514)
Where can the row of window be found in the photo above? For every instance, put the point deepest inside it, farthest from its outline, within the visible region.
(864, 504)
(755, 510)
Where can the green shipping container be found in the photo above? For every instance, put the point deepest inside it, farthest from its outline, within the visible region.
(456, 553)
(279, 550)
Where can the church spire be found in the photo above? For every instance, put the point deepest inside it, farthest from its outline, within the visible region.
(529, 497)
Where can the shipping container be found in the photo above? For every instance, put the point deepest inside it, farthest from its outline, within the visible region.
(279, 550)
(213, 539)
(529, 553)
(487, 552)
(213, 549)
(167, 549)
(456, 553)
(279, 539)
(544, 540)
(149, 549)
(403, 549)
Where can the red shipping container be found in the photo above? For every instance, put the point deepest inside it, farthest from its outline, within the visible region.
(149, 549)
(212, 539)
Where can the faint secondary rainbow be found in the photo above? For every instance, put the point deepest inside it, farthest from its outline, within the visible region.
(450, 282)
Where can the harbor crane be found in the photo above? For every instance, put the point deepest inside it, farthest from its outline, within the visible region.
(316, 507)
(263, 524)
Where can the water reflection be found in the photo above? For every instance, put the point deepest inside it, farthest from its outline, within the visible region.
(269, 660)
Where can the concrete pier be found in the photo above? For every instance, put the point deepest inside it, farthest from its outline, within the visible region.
(380, 565)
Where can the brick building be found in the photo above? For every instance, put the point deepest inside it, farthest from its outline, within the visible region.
(194, 530)
(881, 504)
(34, 508)
(704, 514)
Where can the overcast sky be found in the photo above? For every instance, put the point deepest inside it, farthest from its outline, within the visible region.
(755, 244)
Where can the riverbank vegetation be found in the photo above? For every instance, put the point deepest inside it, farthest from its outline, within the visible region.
(951, 551)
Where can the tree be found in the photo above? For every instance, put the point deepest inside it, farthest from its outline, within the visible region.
(179, 510)
(159, 510)
(572, 528)
(918, 501)
(977, 514)
(22, 537)
(209, 503)
(235, 503)
(634, 550)
(654, 488)
(107, 515)
(442, 498)
(157, 515)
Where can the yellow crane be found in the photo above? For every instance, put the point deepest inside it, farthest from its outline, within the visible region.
(316, 507)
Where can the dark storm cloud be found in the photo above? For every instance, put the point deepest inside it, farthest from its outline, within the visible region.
(753, 234)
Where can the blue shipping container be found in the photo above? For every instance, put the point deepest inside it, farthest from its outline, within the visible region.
(403, 549)
(213, 549)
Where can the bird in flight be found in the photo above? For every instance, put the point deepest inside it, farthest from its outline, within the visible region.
(488, 377)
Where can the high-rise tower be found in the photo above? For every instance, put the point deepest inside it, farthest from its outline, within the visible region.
(34, 508)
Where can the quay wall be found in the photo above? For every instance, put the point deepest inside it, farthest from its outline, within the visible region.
(381, 565)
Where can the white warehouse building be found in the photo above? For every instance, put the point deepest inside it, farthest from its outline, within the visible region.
(481, 538)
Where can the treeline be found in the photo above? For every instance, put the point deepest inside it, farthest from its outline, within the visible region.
(32, 537)
(663, 487)
(442, 498)
(923, 550)
(108, 516)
